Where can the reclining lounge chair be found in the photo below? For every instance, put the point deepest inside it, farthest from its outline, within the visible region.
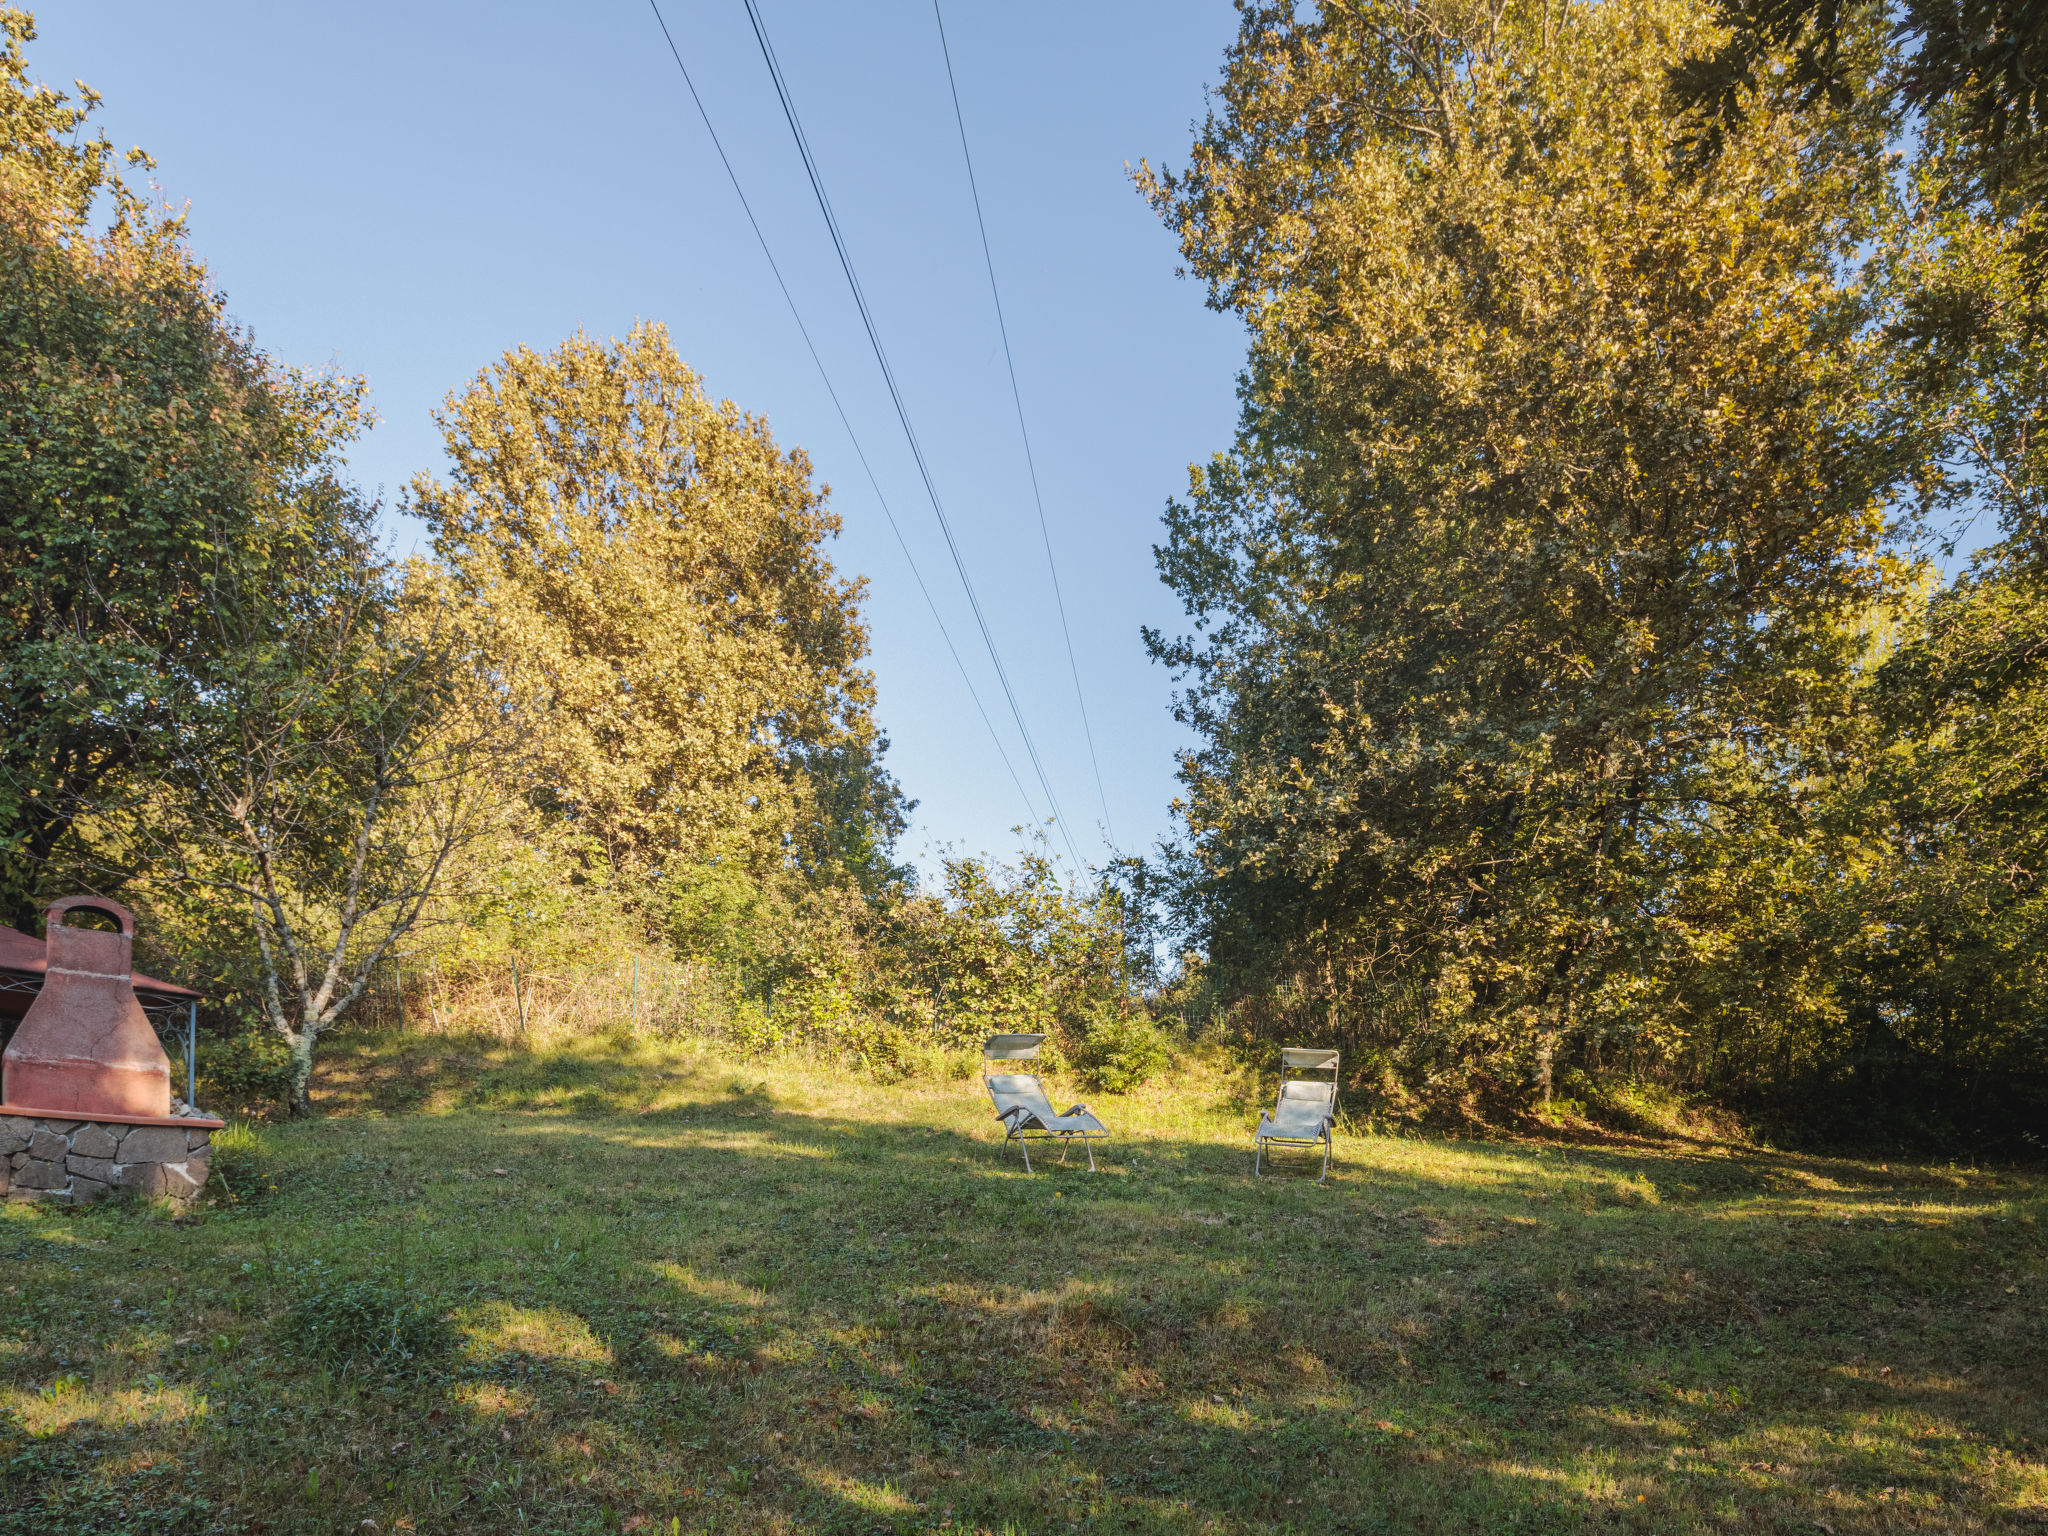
(1306, 1111)
(1024, 1109)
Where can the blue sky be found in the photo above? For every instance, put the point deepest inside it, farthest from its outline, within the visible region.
(404, 191)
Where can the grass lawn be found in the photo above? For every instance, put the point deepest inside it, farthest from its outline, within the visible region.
(688, 1295)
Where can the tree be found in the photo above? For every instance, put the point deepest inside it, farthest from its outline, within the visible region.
(651, 564)
(1544, 562)
(1946, 988)
(339, 753)
(141, 439)
(1982, 65)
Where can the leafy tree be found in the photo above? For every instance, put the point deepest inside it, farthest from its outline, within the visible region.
(143, 442)
(1001, 948)
(1944, 984)
(651, 564)
(1982, 65)
(338, 754)
(1543, 565)
(1947, 991)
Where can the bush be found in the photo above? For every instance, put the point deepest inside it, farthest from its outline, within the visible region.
(252, 1067)
(365, 1322)
(242, 1163)
(1118, 1051)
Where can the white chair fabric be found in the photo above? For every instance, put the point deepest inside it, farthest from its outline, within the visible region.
(1304, 1113)
(1026, 1113)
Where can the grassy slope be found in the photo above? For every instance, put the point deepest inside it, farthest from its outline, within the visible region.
(760, 1298)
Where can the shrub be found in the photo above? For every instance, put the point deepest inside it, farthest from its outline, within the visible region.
(365, 1322)
(252, 1067)
(242, 1165)
(1118, 1051)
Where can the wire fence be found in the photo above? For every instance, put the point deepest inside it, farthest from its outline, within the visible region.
(513, 998)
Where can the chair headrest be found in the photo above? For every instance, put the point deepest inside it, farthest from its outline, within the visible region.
(1295, 1056)
(1011, 1047)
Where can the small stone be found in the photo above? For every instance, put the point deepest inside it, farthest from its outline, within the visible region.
(85, 1191)
(158, 1179)
(14, 1136)
(94, 1141)
(194, 1140)
(154, 1144)
(42, 1175)
(91, 1167)
(19, 1160)
(177, 1183)
(47, 1146)
(60, 1127)
(19, 1125)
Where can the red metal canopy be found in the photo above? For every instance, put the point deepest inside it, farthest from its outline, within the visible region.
(24, 959)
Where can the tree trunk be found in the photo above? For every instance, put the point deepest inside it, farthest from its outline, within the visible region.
(300, 1101)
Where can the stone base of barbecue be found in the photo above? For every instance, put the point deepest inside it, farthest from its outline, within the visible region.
(46, 1156)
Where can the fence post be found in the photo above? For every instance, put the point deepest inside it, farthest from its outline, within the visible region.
(192, 1051)
(636, 994)
(518, 997)
(398, 986)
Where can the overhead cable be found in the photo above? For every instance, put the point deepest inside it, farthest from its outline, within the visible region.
(1024, 432)
(1030, 810)
(789, 113)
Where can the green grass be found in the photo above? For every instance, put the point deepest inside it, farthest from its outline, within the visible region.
(662, 1292)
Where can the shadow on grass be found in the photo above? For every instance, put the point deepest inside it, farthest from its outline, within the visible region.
(685, 1301)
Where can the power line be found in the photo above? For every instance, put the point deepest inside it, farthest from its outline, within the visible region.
(860, 453)
(789, 113)
(1024, 432)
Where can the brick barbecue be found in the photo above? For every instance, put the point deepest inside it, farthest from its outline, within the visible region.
(85, 1086)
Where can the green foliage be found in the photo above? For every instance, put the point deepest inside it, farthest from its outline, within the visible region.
(245, 1163)
(1978, 66)
(1119, 1051)
(651, 564)
(251, 1067)
(367, 1323)
(1537, 602)
(147, 451)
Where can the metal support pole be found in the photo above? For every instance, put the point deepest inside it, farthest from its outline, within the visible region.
(636, 994)
(192, 1051)
(398, 986)
(518, 996)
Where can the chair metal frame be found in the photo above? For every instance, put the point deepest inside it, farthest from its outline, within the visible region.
(1020, 1123)
(1301, 1061)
